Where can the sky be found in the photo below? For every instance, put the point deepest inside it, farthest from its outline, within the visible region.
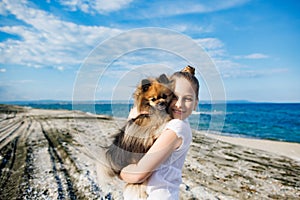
(100, 50)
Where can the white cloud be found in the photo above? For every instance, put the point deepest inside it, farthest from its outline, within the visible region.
(179, 7)
(248, 73)
(99, 6)
(152, 8)
(229, 67)
(253, 56)
(46, 40)
(60, 68)
(213, 46)
(190, 28)
(256, 56)
(2, 70)
(210, 43)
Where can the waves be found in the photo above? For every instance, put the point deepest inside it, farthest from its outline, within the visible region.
(215, 112)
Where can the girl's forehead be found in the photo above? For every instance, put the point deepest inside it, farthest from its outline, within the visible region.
(183, 87)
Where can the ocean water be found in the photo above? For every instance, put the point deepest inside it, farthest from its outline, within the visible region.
(273, 121)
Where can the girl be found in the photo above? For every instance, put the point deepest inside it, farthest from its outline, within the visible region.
(162, 164)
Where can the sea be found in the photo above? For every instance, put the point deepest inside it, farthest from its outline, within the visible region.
(272, 121)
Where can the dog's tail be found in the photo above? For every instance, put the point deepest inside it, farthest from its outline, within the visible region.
(105, 174)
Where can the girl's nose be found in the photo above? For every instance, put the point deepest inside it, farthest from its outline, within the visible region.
(178, 103)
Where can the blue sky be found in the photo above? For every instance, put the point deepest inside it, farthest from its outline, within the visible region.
(254, 45)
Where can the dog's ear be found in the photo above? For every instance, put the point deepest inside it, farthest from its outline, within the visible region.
(163, 79)
(145, 84)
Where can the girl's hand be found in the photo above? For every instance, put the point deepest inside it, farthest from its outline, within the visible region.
(134, 113)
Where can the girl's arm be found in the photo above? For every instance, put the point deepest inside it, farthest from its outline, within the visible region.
(162, 148)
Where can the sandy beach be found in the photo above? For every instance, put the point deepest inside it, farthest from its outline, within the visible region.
(54, 154)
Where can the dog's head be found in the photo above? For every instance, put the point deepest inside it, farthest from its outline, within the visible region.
(154, 94)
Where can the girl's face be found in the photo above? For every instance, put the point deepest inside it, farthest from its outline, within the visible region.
(184, 101)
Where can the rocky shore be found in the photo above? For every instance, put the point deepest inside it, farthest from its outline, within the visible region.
(53, 154)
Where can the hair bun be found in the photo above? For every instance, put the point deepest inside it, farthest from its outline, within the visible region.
(189, 69)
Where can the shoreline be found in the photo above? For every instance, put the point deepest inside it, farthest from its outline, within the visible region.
(287, 149)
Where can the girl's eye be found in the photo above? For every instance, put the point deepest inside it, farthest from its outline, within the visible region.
(188, 99)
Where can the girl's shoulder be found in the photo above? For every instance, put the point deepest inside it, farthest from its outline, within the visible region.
(183, 130)
(178, 125)
(178, 122)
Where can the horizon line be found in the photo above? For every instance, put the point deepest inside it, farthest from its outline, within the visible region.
(131, 101)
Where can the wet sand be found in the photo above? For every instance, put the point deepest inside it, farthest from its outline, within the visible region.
(53, 154)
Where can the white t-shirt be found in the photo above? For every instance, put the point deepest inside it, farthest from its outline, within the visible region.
(164, 182)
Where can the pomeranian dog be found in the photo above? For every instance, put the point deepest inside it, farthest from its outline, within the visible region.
(151, 98)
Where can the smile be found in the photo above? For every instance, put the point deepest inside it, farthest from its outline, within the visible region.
(178, 111)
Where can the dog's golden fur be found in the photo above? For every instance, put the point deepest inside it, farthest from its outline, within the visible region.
(152, 98)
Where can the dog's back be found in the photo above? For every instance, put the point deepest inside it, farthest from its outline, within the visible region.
(135, 139)
(153, 97)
